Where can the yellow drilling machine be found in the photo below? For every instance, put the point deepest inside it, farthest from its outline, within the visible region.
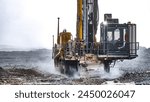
(117, 41)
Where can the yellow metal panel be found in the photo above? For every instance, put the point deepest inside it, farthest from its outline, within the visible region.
(64, 38)
(79, 20)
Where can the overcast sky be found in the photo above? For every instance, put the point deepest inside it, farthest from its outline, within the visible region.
(31, 23)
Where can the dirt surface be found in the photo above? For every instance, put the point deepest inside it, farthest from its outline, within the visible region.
(34, 77)
(36, 67)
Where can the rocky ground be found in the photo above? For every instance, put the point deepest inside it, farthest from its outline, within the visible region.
(20, 76)
(36, 68)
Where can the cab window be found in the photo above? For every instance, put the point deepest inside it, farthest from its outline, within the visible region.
(109, 36)
(117, 34)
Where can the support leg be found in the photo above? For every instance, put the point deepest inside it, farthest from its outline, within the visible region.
(107, 65)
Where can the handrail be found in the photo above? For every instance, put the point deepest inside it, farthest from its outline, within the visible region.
(98, 48)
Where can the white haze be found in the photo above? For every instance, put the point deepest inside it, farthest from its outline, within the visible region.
(114, 73)
(97, 71)
(31, 23)
(46, 67)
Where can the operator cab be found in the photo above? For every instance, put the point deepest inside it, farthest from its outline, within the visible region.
(117, 40)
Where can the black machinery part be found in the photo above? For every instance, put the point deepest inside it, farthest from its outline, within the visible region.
(69, 67)
(107, 65)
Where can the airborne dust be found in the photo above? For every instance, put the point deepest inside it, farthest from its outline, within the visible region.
(36, 67)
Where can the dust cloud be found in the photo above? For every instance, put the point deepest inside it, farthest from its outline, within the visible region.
(41, 59)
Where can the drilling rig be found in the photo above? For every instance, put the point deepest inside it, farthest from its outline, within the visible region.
(117, 41)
